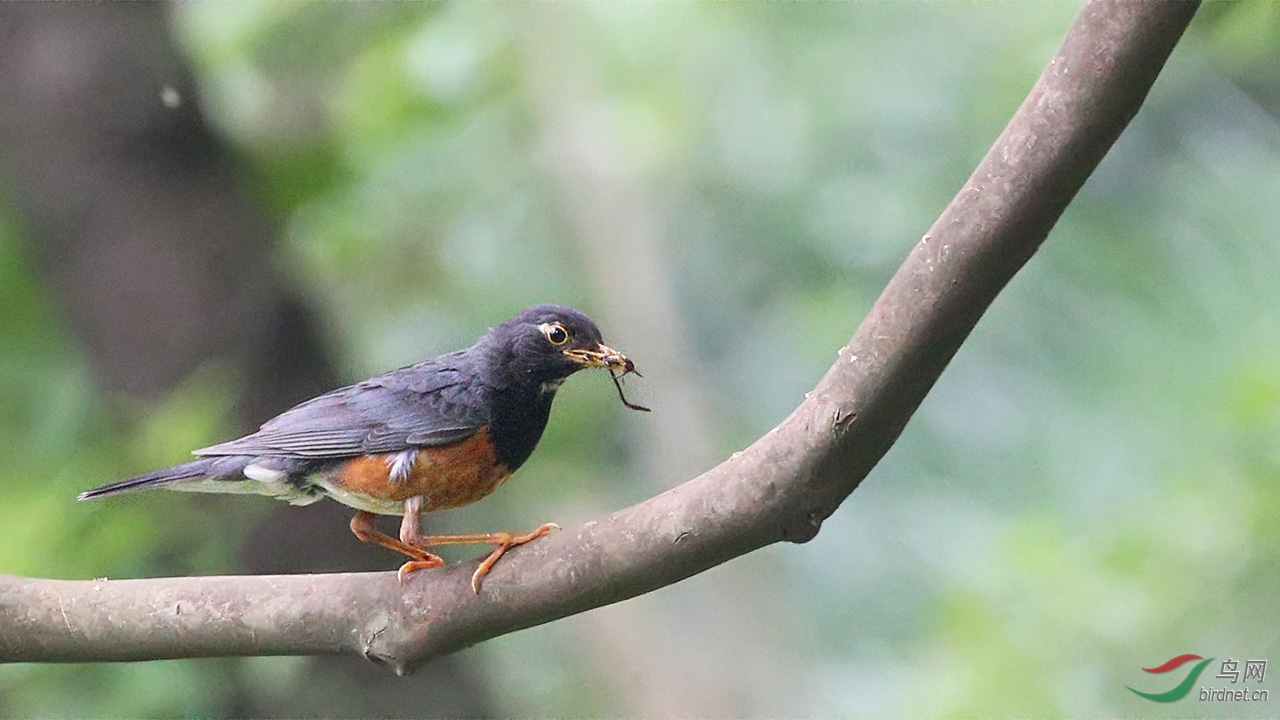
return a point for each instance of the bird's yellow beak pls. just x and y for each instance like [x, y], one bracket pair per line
[601, 356]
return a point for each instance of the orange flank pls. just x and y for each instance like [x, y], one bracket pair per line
[446, 477]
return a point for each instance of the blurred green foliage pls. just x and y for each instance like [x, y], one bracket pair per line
[1091, 488]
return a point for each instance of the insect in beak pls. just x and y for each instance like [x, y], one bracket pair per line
[630, 367]
[616, 363]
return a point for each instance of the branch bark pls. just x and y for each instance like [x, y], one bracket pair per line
[780, 488]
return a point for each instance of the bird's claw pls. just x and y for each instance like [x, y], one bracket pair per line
[505, 542]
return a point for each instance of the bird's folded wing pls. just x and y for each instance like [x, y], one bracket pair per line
[430, 404]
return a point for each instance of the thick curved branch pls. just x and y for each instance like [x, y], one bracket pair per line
[780, 488]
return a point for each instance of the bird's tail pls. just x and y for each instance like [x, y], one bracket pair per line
[198, 468]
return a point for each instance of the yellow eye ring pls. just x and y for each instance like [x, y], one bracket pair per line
[555, 333]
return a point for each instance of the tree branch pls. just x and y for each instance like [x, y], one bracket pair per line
[780, 488]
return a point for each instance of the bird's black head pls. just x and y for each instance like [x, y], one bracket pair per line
[546, 344]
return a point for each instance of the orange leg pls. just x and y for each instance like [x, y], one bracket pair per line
[411, 534]
[362, 525]
[413, 543]
[504, 540]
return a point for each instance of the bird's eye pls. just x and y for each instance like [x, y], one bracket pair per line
[555, 332]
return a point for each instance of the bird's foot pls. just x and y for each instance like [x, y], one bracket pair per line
[505, 541]
[427, 562]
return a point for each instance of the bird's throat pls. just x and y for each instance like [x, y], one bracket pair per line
[517, 424]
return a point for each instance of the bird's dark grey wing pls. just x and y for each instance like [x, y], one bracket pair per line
[432, 403]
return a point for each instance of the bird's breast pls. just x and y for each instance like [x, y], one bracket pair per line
[448, 476]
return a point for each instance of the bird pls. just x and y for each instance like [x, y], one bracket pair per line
[434, 435]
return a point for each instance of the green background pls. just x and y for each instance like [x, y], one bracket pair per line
[1090, 489]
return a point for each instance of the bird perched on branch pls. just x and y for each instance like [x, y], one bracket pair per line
[435, 435]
